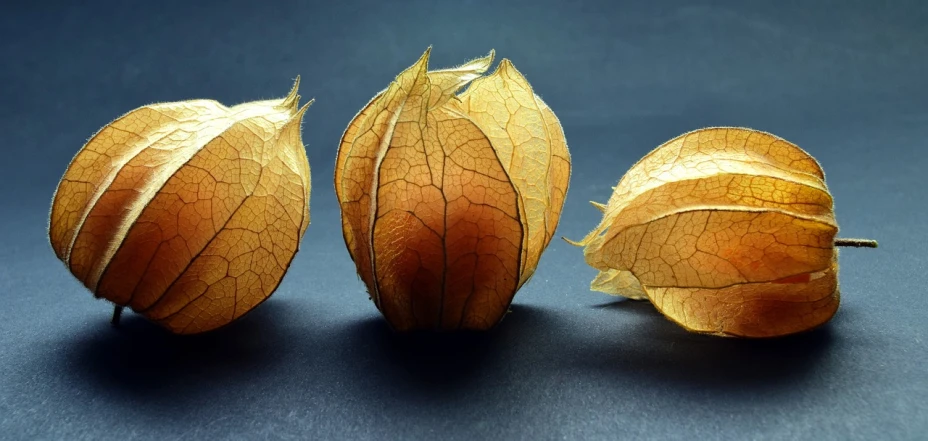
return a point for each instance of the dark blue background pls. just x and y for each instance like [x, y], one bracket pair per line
[846, 80]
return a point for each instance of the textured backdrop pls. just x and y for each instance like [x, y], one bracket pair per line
[843, 79]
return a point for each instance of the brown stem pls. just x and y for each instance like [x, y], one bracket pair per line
[857, 243]
[117, 313]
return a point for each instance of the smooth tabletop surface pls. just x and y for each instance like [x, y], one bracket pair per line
[845, 80]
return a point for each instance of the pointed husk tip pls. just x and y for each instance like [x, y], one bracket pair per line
[292, 99]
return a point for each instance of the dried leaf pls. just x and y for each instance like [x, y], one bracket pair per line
[727, 231]
[188, 212]
[449, 200]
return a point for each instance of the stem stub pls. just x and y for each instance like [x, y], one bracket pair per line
[856, 243]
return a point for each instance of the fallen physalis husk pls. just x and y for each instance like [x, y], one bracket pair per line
[727, 231]
[448, 200]
[187, 212]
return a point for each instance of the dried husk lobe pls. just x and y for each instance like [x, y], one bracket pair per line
[442, 217]
[187, 212]
[728, 231]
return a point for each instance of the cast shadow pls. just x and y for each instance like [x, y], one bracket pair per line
[443, 363]
[656, 349]
[139, 358]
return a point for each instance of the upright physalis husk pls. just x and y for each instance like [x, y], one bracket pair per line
[448, 200]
